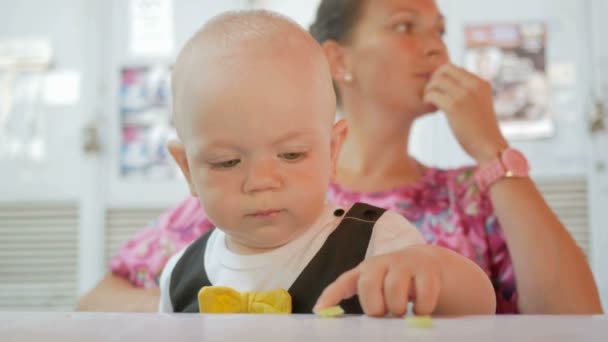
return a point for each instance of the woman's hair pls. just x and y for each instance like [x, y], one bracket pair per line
[336, 19]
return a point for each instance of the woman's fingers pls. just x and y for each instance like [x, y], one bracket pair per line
[446, 85]
[440, 99]
[458, 75]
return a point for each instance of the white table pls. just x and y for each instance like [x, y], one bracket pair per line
[51, 327]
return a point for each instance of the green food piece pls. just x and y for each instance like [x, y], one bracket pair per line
[332, 311]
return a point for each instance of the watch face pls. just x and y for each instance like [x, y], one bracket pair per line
[515, 162]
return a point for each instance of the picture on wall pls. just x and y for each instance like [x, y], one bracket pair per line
[145, 110]
[512, 57]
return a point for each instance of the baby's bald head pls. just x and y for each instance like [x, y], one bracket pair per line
[254, 108]
[250, 54]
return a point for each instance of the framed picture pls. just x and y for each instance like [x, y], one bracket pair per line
[511, 56]
[145, 111]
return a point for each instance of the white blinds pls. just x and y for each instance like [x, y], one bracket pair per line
[568, 199]
[38, 257]
[123, 223]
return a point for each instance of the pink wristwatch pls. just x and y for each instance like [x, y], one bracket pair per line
[510, 163]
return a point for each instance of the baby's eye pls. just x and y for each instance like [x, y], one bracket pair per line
[226, 164]
[292, 156]
[403, 27]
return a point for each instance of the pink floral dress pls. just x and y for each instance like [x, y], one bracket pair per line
[445, 205]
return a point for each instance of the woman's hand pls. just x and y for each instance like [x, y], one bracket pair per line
[115, 294]
[467, 102]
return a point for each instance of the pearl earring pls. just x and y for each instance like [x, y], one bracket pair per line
[348, 77]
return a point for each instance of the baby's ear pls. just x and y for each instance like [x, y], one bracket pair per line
[338, 135]
[178, 152]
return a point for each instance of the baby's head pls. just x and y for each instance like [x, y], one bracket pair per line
[254, 109]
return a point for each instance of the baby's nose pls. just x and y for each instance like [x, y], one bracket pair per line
[262, 176]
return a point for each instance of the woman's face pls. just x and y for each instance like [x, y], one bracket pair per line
[395, 47]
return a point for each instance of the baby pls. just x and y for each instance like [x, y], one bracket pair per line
[254, 110]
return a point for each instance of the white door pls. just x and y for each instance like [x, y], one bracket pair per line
[43, 194]
[58, 214]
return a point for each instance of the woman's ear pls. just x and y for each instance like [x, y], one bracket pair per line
[335, 54]
[338, 135]
[178, 152]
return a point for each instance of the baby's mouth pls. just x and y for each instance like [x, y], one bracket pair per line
[266, 213]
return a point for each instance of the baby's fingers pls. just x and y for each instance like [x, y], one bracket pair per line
[342, 288]
[427, 287]
[370, 290]
[396, 288]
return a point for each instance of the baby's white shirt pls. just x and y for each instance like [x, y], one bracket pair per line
[280, 267]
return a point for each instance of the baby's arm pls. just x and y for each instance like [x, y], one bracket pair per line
[464, 288]
[399, 267]
[438, 281]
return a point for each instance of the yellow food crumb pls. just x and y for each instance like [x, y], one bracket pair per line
[332, 311]
[421, 322]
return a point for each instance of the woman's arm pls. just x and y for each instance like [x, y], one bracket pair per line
[551, 272]
[131, 285]
[115, 294]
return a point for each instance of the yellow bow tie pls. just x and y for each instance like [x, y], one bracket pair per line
[219, 299]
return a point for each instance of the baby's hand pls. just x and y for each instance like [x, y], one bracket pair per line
[386, 283]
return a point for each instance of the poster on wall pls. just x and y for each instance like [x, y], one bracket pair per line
[511, 56]
[145, 109]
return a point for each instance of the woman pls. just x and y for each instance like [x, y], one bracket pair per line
[390, 67]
